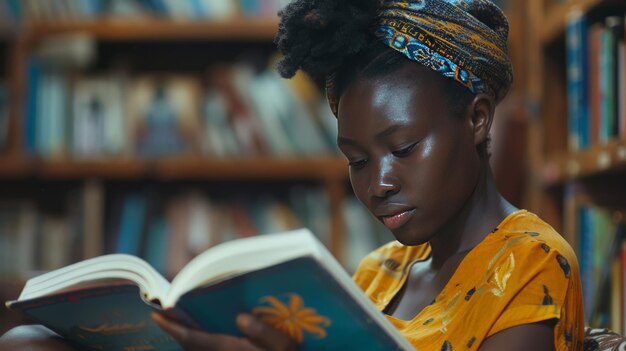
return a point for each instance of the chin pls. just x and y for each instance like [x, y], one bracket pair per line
[410, 238]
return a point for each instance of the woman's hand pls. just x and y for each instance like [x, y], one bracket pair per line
[259, 336]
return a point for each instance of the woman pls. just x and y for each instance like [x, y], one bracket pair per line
[414, 86]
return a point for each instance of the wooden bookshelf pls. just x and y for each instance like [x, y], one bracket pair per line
[329, 172]
[263, 29]
[320, 168]
[288, 168]
[14, 167]
[576, 192]
[556, 15]
[596, 161]
[60, 186]
[7, 33]
[552, 165]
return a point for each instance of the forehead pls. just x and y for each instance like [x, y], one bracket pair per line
[405, 96]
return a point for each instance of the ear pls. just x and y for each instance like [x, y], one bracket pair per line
[482, 110]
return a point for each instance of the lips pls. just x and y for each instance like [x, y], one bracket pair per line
[397, 219]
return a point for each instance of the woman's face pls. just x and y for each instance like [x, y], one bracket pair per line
[413, 163]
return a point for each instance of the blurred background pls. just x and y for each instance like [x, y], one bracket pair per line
[160, 128]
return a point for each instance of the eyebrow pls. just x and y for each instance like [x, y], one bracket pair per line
[390, 130]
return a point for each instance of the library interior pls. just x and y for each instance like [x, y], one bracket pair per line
[162, 128]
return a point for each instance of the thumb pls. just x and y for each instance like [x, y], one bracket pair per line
[263, 335]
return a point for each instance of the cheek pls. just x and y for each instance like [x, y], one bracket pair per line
[447, 171]
[460, 173]
[359, 186]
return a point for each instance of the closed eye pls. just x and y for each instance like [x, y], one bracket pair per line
[404, 151]
[358, 164]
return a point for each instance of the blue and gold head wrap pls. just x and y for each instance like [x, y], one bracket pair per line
[450, 37]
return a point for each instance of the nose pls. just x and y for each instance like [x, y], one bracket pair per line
[384, 183]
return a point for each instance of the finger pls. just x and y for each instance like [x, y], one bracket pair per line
[264, 335]
[197, 340]
[185, 336]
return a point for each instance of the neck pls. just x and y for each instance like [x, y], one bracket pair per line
[485, 209]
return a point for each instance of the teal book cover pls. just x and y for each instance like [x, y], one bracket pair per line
[113, 318]
[298, 297]
[287, 280]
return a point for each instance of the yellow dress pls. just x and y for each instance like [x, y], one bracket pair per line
[522, 272]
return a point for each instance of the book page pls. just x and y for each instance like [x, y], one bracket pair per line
[115, 266]
[239, 256]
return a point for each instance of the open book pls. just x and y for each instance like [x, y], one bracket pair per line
[288, 280]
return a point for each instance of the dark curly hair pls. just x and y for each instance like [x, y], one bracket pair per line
[334, 38]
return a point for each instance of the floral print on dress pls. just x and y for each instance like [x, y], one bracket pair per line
[522, 271]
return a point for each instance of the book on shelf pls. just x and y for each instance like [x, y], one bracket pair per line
[4, 115]
[611, 36]
[288, 280]
[98, 126]
[163, 110]
[576, 68]
[595, 38]
[8, 14]
[599, 234]
[596, 79]
[18, 223]
[606, 305]
[621, 80]
[236, 111]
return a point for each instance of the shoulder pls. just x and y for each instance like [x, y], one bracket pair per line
[529, 268]
[533, 271]
[534, 244]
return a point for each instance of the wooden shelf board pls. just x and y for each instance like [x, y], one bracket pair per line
[11, 166]
[110, 169]
[595, 160]
[8, 33]
[263, 168]
[556, 17]
[160, 29]
[302, 168]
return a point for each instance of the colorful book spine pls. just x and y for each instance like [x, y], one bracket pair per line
[615, 26]
[576, 65]
[32, 85]
[607, 87]
[621, 74]
[585, 252]
[132, 222]
[595, 35]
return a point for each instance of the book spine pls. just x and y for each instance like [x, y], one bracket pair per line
[615, 26]
[595, 34]
[621, 74]
[585, 250]
[576, 74]
[132, 221]
[32, 101]
[623, 287]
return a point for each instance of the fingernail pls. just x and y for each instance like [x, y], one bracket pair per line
[244, 320]
[248, 323]
[156, 317]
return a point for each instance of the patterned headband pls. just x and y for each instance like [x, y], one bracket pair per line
[448, 37]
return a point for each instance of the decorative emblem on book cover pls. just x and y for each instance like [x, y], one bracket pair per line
[292, 318]
[109, 329]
